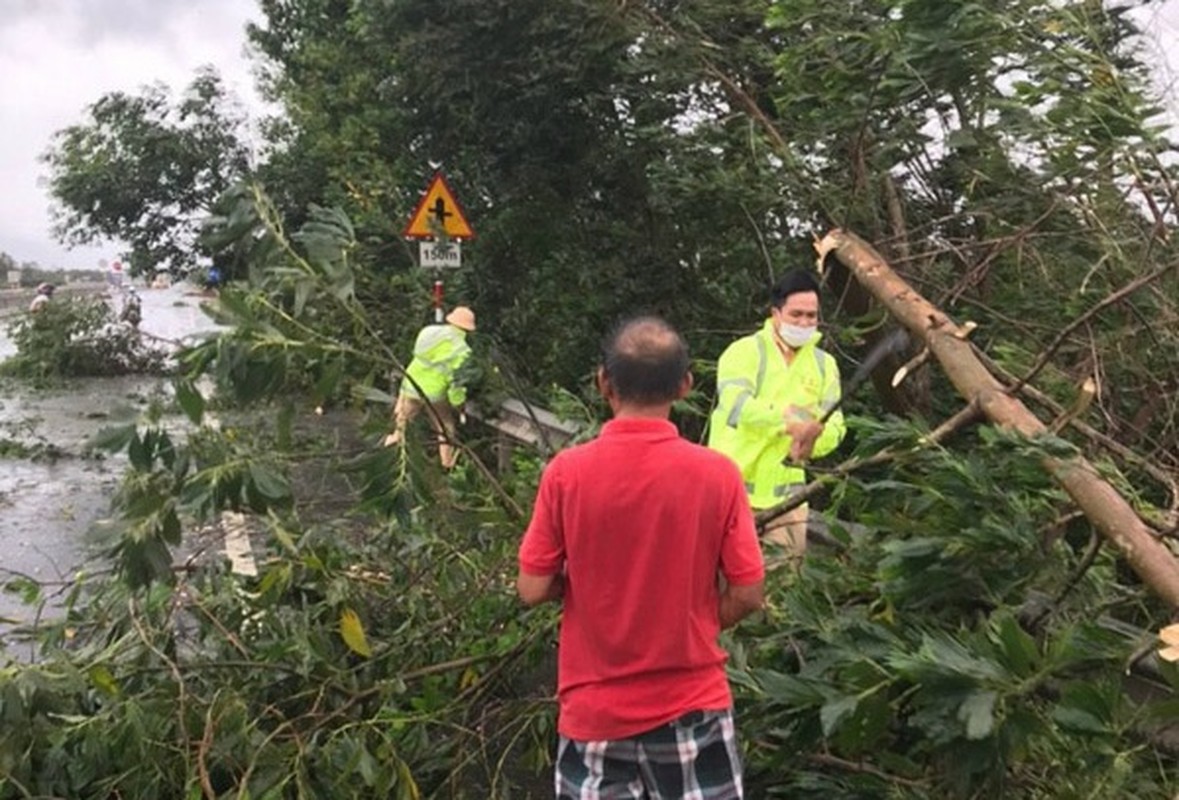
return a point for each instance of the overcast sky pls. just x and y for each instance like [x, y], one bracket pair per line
[58, 56]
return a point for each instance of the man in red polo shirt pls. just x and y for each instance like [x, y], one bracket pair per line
[630, 533]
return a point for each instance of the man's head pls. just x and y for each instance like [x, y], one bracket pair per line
[644, 364]
[46, 289]
[794, 306]
[462, 317]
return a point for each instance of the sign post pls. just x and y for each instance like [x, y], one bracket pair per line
[439, 225]
[438, 315]
[115, 276]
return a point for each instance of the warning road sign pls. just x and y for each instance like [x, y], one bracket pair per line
[437, 213]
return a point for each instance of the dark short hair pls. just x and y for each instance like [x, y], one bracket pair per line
[793, 282]
[645, 360]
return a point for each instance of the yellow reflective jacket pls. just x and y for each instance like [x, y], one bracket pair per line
[754, 388]
[438, 352]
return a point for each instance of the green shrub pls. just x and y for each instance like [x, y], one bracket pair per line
[77, 337]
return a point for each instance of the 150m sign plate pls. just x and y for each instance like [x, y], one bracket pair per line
[437, 254]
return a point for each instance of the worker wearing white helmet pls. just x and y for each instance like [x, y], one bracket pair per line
[439, 351]
[41, 299]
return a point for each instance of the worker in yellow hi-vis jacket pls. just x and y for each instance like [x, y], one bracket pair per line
[439, 352]
[773, 389]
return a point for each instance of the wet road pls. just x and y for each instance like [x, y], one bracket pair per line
[50, 509]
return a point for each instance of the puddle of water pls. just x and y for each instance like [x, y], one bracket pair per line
[48, 508]
[48, 512]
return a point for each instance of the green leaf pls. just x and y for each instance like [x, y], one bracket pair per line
[28, 590]
[407, 787]
[139, 454]
[275, 579]
[1020, 654]
[373, 395]
[112, 439]
[103, 680]
[787, 690]
[961, 138]
[978, 712]
[1078, 720]
[303, 290]
[283, 536]
[329, 379]
[352, 632]
[190, 401]
[367, 766]
[835, 711]
[269, 482]
[170, 527]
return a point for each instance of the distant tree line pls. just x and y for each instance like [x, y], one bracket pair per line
[33, 274]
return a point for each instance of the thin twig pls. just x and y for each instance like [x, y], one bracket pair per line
[761, 243]
[1128, 289]
[828, 760]
[174, 669]
[1164, 477]
[963, 417]
[1096, 540]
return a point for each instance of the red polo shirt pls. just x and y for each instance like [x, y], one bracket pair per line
[641, 521]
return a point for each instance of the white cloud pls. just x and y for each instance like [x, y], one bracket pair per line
[85, 22]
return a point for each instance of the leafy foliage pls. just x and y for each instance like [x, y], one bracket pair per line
[967, 636]
[948, 648]
[77, 337]
[143, 171]
[591, 194]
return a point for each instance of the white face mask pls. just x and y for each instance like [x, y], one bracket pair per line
[796, 335]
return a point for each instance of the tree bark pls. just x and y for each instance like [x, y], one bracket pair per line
[1106, 509]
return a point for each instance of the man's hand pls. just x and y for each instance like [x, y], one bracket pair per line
[738, 602]
[536, 589]
[804, 436]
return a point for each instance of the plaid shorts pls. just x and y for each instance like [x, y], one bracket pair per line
[692, 758]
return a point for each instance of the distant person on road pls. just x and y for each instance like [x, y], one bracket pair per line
[649, 544]
[432, 377]
[42, 297]
[213, 280]
[773, 387]
[132, 312]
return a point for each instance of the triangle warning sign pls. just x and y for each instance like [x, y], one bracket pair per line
[438, 212]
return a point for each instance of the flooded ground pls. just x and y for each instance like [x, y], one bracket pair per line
[51, 500]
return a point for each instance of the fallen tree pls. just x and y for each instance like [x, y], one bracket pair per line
[948, 342]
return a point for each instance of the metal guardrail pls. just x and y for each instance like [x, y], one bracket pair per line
[523, 423]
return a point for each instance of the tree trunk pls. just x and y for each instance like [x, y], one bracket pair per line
[1100, 502]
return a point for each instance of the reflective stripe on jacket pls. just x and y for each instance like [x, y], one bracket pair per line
[438, 353]
[754, 387]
